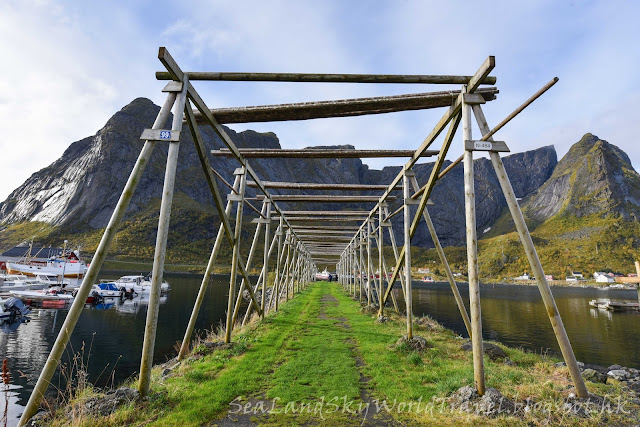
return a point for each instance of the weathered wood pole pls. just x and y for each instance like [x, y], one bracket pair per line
[534, 262]
[94, 268]
[396, 255]
[287, 264]
[361, 265]
[184, 348]
[386, 274]
[381, 268]
[445, 263]
[472, 253]
[161, 246]
[252, 250]
[235, 257]
[407, 251]
[369, 266]
[276, 284]
[267, 252]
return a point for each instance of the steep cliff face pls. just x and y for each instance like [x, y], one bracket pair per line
[594, 177]
[80, 190]
[527, 171]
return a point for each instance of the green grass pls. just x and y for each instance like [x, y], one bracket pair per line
[315, 350]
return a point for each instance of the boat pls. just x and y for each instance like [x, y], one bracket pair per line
[324, 275]
[525, 276]
[12, 308]
[108, 289]
[427, 279]
[67, 265]
[140, 284]
[12, 282]
[51, 294]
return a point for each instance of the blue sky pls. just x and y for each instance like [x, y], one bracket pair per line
[69, 65]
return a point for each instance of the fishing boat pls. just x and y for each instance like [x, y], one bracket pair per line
[140, 284]
[68, 264]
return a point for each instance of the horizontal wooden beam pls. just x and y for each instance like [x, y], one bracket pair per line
[326, 78]
[318, 186]
[317, 220]
[322, 198]
[302, 228]
[316, 153]
[324, 213]
[340, 108]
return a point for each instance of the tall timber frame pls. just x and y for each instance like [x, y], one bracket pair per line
[298, 246]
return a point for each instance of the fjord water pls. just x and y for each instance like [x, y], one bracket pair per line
[112, 333]
[515, 315]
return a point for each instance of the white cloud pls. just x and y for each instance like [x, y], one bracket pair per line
[70, 65]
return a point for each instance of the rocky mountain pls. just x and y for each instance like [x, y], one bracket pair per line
[594, 177]
[78, 192]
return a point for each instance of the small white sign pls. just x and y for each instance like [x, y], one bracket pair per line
[482, 145]
[165, 134]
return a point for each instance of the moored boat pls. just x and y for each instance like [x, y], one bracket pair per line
[139, 284]
[107, 290]
[68, 264]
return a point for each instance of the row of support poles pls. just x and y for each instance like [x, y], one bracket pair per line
[295, 265]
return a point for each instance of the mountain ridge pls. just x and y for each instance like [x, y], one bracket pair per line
[77, 193]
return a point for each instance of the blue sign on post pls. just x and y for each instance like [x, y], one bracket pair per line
[165, 134]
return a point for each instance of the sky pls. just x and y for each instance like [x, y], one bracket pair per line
[70, 65]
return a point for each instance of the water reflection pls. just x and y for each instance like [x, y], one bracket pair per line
[515, 315]
[112, 330]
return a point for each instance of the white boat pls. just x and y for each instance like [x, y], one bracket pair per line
[12, 282]
[324, 275]
[67, 266]
[107, 290]
[52, 294]
[525, 276]
[427, 279]
[139, 284]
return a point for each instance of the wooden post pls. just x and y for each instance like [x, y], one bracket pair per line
[534, 262]
[254, 244]
[386, 275]
[184, 348]
[407, 251]
[236, 252]
[279, 233]
[369, 266]
[161, 246]
[265, 266]
[472, 254]
[394, 246]
[380, 258]
[443, 259]
[361, 264]
[94, 268]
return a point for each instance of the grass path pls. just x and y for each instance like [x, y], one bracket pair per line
[321, 361]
